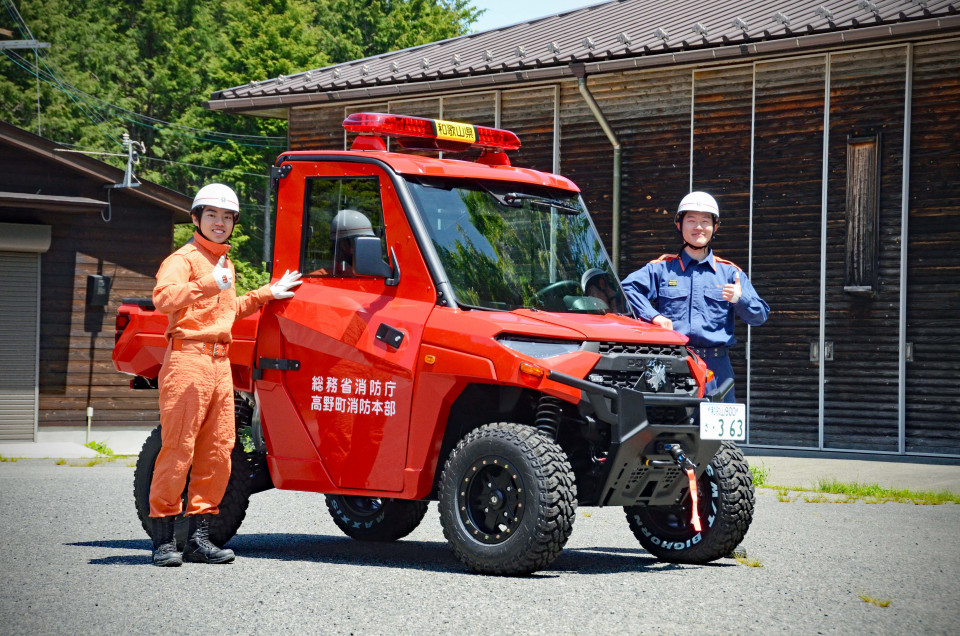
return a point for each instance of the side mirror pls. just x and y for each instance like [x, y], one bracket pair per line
[368, 260]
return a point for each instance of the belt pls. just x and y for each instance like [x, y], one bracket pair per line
[214, 349]
[710, 352]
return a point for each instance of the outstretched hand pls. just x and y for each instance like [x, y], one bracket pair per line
[733, 291]
[281, 288]
[222, 273]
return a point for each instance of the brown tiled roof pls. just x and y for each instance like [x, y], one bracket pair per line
[604, 36]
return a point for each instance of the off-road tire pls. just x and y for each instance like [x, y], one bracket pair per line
[726, 509]
[233, 506]
[374, 519]
[516, 470]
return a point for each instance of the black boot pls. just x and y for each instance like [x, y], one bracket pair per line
[165, 552]
[199, 549]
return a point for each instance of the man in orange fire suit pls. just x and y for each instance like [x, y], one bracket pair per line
[195, 288]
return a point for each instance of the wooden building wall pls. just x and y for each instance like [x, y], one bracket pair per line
[933, 269]
[76, 341]
[861, 382]
[788, 167]
[755, 139]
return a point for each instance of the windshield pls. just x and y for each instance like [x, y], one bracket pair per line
[508, 246]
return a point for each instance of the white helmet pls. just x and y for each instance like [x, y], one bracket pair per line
[588, 276]
[349, 223]
[218, 196]
[699, 202]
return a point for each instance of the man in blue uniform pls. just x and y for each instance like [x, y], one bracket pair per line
[695, 292]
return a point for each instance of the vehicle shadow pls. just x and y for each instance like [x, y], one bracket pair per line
[434, 556]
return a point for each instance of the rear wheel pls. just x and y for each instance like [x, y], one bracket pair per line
[233, 506]
[375, 519]
[507, 500]
[726, 509]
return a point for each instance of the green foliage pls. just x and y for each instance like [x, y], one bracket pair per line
[111, 65]
[100, 447]
[760, 474]
[354, 30]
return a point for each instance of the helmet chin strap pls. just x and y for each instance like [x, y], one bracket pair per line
[200, 232]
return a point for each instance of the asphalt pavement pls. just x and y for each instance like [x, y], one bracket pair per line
[74, 559]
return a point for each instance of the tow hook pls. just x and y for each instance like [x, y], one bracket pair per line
[676, 451]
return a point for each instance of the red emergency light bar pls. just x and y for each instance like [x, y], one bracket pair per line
[427, 134]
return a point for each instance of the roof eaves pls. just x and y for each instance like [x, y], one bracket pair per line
[163, 197]
[653, 51]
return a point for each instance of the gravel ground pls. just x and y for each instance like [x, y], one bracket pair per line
[74, 559]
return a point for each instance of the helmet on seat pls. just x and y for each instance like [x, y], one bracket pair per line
[588, 276]
[348, 224]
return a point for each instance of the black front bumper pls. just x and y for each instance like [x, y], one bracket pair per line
[638, 469]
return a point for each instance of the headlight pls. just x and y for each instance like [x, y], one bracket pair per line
[540, 348]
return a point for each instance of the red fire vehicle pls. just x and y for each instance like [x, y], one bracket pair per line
[449, 344]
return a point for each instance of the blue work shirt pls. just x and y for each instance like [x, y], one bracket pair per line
[690, 293]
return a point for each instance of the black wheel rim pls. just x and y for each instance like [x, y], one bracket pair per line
[362, 506]
[674, 522]
[490, 500]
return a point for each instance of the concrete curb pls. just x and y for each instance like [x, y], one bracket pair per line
[45, 450]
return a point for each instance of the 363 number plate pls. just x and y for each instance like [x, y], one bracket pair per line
[720, 420]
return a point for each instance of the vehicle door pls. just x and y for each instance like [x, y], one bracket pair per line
[353, 390]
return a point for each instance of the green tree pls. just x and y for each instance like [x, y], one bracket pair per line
[146, 67]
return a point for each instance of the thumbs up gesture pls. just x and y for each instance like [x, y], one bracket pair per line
[222, 273]
[733, 291]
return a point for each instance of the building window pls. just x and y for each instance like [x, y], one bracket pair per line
[863, 215]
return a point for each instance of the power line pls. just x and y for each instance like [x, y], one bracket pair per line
[73, 93]
[194, 165]
[69, 88]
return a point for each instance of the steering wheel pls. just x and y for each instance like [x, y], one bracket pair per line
[560, 289]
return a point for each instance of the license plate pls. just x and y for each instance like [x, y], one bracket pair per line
[455, 131]
[720, 420]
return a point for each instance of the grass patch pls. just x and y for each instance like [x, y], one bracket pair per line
[7, 459]
[60, 462]
[851, 492]
[747, 561]
[875, 601]
[760, 474]
[100, 447]
[878, 493]
[92, 462]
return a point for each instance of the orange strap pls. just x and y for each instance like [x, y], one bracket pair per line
[694, 500]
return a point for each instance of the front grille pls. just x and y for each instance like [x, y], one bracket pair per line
[623, 364]
[640, 349]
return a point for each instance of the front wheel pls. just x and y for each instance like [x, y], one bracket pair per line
[233, 506]
[507, 500]
[375, 519]
[726, 509]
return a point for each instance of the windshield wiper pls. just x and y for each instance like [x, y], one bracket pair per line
[515, 200]
[479, 308]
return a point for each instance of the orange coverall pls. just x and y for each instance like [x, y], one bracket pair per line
[196, 388]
